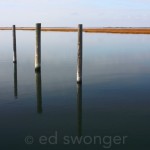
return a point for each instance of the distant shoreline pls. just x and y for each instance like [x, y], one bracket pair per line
[121, 30]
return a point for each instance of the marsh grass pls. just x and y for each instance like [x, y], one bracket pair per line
[90, 30]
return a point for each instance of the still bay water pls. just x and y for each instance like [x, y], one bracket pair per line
[113, 100]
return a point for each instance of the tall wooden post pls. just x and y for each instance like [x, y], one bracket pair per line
[38, 48]
[14, 44]
[79, 55]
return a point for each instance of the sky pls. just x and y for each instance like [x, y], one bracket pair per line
[70, 13]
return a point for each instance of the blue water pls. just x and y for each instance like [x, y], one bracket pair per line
[113, 99]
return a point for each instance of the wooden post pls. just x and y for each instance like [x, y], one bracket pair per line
[14, 44]
[79, 55]
[38, 48]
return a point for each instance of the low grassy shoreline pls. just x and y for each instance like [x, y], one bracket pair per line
[89, 30]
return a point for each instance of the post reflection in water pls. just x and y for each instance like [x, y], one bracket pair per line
[38, 91]
[15, 81]
[79, 106]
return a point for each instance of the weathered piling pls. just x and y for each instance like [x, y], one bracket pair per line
[38, 48]
[38, 91]
[79, 106]
[79, 55]
[15, 81]
[14, 44]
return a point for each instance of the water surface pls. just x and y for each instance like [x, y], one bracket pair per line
[112, 101]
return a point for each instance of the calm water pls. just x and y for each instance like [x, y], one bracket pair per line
[114, 99]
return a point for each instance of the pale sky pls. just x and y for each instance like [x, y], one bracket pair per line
[70, 13]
